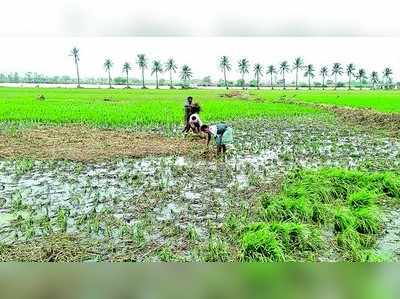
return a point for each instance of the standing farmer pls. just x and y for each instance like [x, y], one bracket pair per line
[222, 133]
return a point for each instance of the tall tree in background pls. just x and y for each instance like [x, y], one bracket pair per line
[186, 75]
[350, 72]
[75, 54]
[108, 64]
[284, 68]
[142, 63]
[387, 72]
[225, 66]
[361, 75]
[271, 71]
[323, 72]
[258, 72]
[170, 66]
[298, 65]
[310, 74]
[156, 68]
[374, 79]
[244, 66]
[126, 68]
[337, 70]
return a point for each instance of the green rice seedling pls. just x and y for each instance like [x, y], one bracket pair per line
[261, 245]
[17, 203]
[192, 233]
[23, 166]
[62, 219]
[362, 198]
[368, 220]
[216, 250]
[343, 219]
[165, 254]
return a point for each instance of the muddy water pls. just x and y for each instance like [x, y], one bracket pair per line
[169, 194]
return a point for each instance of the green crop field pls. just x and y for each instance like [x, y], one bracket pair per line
[142, 107]
[130, 107]
[380, 100]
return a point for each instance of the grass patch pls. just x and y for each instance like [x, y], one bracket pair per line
[345, 202]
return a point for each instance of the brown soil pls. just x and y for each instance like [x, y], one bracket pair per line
[367, 118]
[89, 144]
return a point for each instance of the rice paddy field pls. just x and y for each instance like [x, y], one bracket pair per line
[106, 175]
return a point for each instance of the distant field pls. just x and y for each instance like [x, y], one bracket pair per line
[380, 100]
[121, 107]
[130, 107]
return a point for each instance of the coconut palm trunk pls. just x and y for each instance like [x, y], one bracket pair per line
[127, 79]
[143, 77]
[323, 82]
[242, 81]
[170, 79]
[309, 82]
[258, 82]
[156, 80]
[335, 81]
[349, 81]
[297, 78]
[226, 83]
[284, 81]
[77, 74]
[272, 82]
[109, 78]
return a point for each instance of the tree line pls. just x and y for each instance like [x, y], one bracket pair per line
[310, 72]
[275, 75]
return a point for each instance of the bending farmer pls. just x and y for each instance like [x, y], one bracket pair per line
[222, 133]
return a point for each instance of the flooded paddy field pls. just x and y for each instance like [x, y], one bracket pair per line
[191, 207]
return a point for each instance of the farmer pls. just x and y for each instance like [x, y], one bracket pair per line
[222, 133]
[193, 121]
[187, 108]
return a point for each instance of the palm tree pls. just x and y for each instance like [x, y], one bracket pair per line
[225, 66]
[337, 70]
[258, 72]
[298, 65]
[171, 66]
[350, 71]
[75, 54]
[374, 79]
[126, 68]
[324, 73]
[361, 75]
[386, 75]
[186, 75]
[310, 74]
[142, 63]
[243, 68]
[157, 68]
[108, 64]
[284, 67]
[271, 71]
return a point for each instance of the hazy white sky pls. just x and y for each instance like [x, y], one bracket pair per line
[200, 18]
[37, 35]
[50, 55]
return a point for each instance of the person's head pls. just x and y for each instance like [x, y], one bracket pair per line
[193, 117]
[190, 99]
[205, 128]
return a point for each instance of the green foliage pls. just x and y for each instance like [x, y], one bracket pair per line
[131, 107]
[345, 201]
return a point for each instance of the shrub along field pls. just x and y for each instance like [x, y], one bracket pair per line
[88, 175]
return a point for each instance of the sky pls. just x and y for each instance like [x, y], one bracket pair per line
[50, 55]
[38, 35]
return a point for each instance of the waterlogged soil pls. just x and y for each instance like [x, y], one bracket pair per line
[173, 207]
